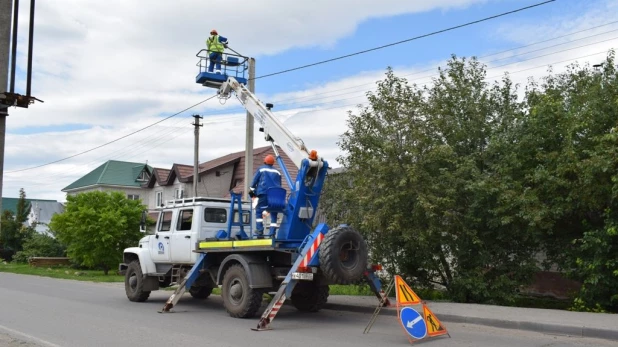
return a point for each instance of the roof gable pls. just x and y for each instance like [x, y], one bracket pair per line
[10, 204]
[112, 172]
[159, 176]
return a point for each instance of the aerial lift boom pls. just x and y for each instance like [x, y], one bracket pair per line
[296, 235]
[273, 128]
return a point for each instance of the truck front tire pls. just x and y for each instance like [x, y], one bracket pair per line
[239, 299]
[134, 283]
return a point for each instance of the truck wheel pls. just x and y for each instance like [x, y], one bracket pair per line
[200, 292]
[309, 297]
[343, 255]
[239, 300]
[134, 283]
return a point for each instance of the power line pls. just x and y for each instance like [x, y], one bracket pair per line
[415, 79]
[110, 142]
[406, 40]
[480, 57]
[419, 78]
[305, 100]
[302, 67]
[357, 104]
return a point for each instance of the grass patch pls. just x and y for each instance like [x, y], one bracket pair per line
[63, 272]
[542, 302]
[358, 290]
[352, 289]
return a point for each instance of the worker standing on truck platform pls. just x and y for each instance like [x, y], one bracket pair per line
[265, 177]
[216, 45]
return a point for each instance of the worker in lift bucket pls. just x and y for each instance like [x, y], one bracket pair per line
[265, 177]
[215, 44]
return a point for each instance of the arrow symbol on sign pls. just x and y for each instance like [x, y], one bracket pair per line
[412, 322]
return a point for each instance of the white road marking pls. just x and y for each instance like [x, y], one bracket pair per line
[29, 337]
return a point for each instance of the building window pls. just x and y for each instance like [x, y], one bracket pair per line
[133, 196]
[215, 215]
[143, 176]
[246, 217]
[179, 194]
[159, 199]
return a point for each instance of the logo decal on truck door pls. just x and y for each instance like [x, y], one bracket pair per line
[161, 248]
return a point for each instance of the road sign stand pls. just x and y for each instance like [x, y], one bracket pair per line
[417, 324]
[434, 326]
[383, 300]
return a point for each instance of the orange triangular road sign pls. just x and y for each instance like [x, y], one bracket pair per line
[434, 326]
[405, 294]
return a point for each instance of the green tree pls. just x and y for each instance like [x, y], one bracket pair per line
[420, 181]
[567, 158]
[97, 226]
[463, 185]
[13, 231]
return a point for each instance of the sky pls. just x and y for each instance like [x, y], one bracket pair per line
[107, 69]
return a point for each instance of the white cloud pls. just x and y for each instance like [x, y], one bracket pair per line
[127, 64]
[109, 59]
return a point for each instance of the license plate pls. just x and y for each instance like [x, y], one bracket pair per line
[303, 276]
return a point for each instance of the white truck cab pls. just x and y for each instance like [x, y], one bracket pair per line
[164, 255]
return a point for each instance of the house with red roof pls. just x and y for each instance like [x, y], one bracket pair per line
[154, 186]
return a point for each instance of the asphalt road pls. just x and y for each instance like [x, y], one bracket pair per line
[47, 312]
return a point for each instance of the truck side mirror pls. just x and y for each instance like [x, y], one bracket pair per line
[142, 223]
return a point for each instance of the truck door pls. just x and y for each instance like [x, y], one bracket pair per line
[182, 237]
[160, 245]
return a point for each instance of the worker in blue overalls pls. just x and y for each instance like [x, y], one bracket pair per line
[216, 45]
[265, 177]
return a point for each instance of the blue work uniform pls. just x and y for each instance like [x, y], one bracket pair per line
[265, 177]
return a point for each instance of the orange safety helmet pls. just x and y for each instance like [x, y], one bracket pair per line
[214, 32]
[269, 159]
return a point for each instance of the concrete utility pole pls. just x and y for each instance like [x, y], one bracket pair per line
[196, 161]
[5, 42]
[249, 138]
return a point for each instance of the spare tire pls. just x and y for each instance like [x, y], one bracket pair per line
[343, 255]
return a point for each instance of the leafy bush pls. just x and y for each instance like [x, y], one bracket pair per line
[39, 245]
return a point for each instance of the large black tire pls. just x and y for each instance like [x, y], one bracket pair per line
[200, 292]
[239, 300]
[134, 283]
[309, 297]
[343, 255]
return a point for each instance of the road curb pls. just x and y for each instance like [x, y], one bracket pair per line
[547, 328]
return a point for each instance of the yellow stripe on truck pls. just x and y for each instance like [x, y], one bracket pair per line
[233, 244]
[217, 244]
[253, 243]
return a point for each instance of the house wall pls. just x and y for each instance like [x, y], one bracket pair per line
[167, 192]
[215, 183]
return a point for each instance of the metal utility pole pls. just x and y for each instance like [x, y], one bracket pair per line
[249, 138]
[8, 97]
[196, 147]
[5, 42]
